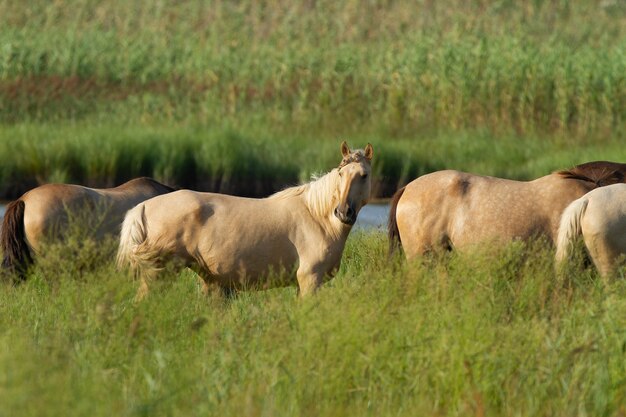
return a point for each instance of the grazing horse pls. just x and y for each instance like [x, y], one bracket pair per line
[453, 209]
[44, 212]
[600, 217]
[238, 243]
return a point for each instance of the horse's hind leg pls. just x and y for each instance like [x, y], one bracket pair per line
[602, 253]
[210, 286]
[215, 288]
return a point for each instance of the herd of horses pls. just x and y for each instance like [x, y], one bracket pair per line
[238, 243]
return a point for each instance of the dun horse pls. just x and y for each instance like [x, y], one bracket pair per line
[43, 213]
[238, 243]
[600, 217]
[453, 209]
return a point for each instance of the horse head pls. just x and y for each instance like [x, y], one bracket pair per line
[355, 182]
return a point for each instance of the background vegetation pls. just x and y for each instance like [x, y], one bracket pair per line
[248, 96]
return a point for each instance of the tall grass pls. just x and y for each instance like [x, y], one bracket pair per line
[482, 333]
[534, 67]
[258, 160]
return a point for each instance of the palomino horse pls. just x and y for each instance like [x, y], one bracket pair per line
[600, 216]
[44, 211]
[238, 243]
[452, 209]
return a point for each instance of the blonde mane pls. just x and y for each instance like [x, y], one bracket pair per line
[319, 194]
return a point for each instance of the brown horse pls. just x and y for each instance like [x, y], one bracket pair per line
[238, 243]
[600, 217]
[453, 209]
[43, 213]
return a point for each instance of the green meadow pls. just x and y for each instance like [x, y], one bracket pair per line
[485, 333]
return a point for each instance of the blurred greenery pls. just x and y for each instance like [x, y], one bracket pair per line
[302, 76]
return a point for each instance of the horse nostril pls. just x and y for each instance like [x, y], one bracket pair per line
[336, 212]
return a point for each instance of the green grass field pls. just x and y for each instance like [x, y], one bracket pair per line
[484, 333]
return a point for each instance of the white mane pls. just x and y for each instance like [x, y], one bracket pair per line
[319, 195]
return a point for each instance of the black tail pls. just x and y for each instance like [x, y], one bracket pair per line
[392, 224]
[17, 255]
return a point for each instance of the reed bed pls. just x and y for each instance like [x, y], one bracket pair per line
[247, 97]
[255, 161]
[544, 66]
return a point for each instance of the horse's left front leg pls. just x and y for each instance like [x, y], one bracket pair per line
[309, 280]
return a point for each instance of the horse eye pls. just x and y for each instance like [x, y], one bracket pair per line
[363, 176]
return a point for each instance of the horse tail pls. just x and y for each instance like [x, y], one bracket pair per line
[17, 256]
[570, 228]
[392, 224]
[133, 235]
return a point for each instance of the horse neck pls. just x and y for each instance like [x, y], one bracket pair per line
[321, 194]
[321, 197]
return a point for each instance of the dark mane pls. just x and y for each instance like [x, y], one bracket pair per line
[600, 173]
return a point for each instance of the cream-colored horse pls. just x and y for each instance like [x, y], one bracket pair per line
[453, 209]
[600, 217]
[239, 243]
[43, 213]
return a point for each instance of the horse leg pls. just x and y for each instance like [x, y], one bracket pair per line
[602, 253]
[308, 281]
[211, 286]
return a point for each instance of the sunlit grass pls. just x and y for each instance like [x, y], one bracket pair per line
[483, 332]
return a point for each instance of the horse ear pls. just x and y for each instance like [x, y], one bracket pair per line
[369, 152]
[345, 149]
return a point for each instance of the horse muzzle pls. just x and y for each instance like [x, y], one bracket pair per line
[347, 216]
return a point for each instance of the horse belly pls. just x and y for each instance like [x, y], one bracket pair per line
[258, 263]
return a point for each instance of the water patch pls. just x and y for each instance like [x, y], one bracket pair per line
[371, 216]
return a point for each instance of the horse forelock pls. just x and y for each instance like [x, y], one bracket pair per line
[357, 155]
[600, 173]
